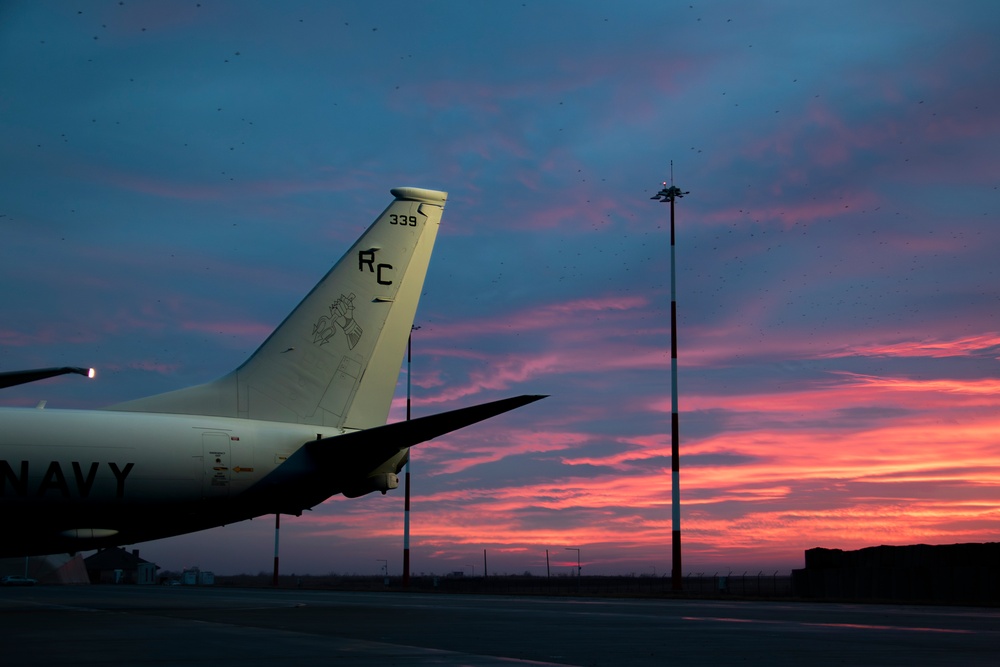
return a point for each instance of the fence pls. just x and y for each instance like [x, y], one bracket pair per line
[750, 585]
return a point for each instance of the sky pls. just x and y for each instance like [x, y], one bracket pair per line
[177, 176]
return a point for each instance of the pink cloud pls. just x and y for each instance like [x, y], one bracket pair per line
[791, 212]
[154, 367]
[15, 338]
[457, 454]
[747, 511]
[956, 347]
[254, 331]
[578, 335]
[988, 387]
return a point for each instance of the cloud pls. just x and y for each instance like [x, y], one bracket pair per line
[985, 343]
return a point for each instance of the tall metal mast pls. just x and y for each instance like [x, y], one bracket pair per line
[669, 194]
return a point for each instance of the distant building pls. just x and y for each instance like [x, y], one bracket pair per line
[52, 569]
[119, 566]
[196, 577]
[941, 574]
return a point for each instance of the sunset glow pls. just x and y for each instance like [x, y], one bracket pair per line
[167, 202]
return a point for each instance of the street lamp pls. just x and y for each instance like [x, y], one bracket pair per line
[669, 194]
[406, 476]
[579, 568]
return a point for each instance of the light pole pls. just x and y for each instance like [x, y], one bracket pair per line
[579, 568]
[406, 476]
[277, 527]
[669, 194]
[14, 378]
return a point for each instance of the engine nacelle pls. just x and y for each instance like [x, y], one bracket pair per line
[383, 481]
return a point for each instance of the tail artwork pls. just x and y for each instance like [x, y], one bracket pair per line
[335, 359]
[301, 420]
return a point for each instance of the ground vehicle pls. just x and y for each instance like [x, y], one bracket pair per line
[12, 580]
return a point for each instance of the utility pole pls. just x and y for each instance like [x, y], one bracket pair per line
[406, 476]
[669, 194]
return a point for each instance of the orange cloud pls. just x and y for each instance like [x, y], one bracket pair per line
[752, 496]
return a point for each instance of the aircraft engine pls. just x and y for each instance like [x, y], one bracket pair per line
[383, 482]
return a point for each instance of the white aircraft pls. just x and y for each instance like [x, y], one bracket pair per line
[301, 420]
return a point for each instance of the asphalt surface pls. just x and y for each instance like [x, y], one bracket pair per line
[133, 625]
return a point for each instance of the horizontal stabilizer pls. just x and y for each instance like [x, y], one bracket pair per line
[364, 450]
[339, 464]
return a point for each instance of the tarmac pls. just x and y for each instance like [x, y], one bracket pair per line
[221, 627]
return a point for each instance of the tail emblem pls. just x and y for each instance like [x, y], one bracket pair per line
[341, 315]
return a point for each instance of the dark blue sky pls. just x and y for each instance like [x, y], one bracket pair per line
[176, 176]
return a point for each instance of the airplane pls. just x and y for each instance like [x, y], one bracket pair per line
[301, 420]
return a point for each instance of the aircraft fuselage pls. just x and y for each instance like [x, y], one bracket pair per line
[90, 476]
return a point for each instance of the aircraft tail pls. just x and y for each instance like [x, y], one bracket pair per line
[335, 359]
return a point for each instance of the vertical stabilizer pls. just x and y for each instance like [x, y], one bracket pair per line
[335, 359]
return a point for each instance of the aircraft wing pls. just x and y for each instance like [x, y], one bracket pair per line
[13, 378]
